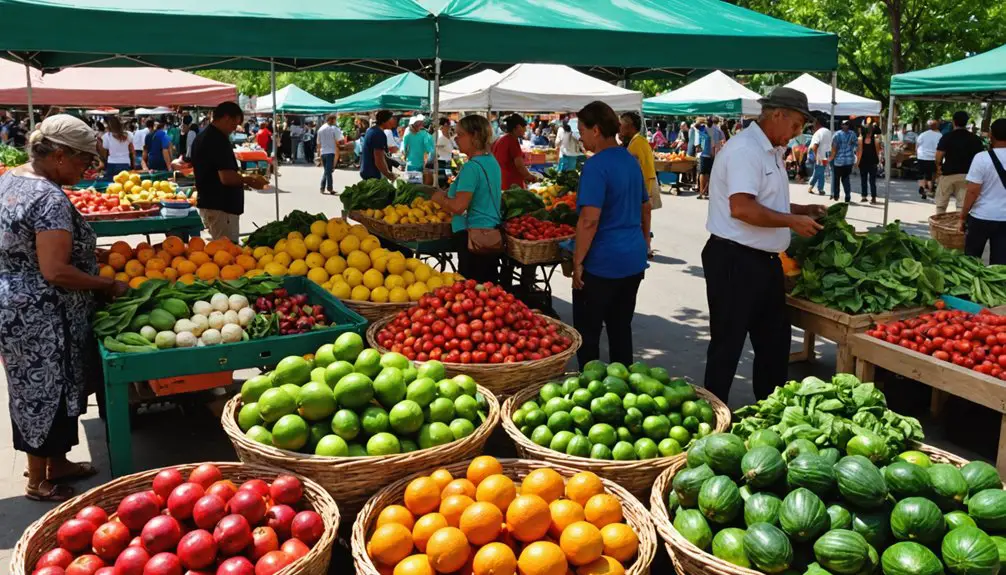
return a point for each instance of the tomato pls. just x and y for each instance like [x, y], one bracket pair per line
[940, 304]
[941, 355]
[963, 346]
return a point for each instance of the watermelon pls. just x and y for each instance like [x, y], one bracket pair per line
[839, 517]
[803, 515]
[766, 438]
[830, 454]
[916, 457]
[842, 551]
[763, 467]
[720, 499]
[768, 548]
[697, 453]
[906, 479]
[860, 482]
[692, 526]
[688, 482]
[728, 545]
[949, 486]
[811, 472]
[910, 558]
[917, 519]
[988, 509]
[724, 452]
[762, 508]
[869, 446]
[969, 551]
[874, 526]
[1001, 546]
[815, 569]
[799, 447]
[872, 561]
[981, 476]
[956, 519]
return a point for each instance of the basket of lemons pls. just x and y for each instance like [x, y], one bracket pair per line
[422, 220]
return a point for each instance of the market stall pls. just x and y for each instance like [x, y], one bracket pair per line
[713, 94]
[820, 98]
[406, 91]
[291, 99]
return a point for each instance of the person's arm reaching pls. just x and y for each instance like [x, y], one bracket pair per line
[454, 206]
[132, 156]
[974, 190]
[518, 162]
[939, 163]
[586, 228]
[859, 151]
[746, 208]
[53, 250]
[381, 161]
[646, 223]
[233, 178]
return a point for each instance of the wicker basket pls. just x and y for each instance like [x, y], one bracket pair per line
[40, 536]
[636, 476]
[404, 232]
[635, 513]
[373, 312]
[946, 229]
[504, 379]
[531, 252]
[351, 480]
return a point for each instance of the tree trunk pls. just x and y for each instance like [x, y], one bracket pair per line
[894, 10]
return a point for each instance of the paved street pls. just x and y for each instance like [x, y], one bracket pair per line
[670, 329]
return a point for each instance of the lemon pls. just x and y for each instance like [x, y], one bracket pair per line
[353, 277]
[335, 265]
[358, 260]
[370, 244]
[318, 275]
[261, 251]
[409, 278]
[296, 248]
[341, 290]
[275, 269]
[146, 184]
[395, 265]
[319, 228]
[373, 279]
[423, 272]
[262, 261]
[360, 293]
[398, 295]
[349, 244]
[417, 290]
[391, 219]
[134, 178]
[329, 248]
[315, 260]
[298, 268]
[379, 262]
[295, 236]
[327, 286]
[280, 246]
[313, 242]
[412, 263]
[336, 229]
[379, 294]
[359, 231]
[434, 283]
[282, 258]
[128, 186]
[394, 281]
[378, 253]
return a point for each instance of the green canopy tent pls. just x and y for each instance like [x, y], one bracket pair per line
[406, 91]
[293, 100]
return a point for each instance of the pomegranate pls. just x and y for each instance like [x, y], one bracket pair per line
[208, 511]
[223, 489]
[85, 565]
[286, 489]
[236, 566]
[294, 548]
[58, 557]
[279, 517]
[75, 535]
[110, 540]
[135, 510]
[94, 514]
[136, 542]
[183, 498]
[256, 485]
[166, 481]
[107, 571]
[264, 540]
[232, 534]
[272, 562]
[49, 570]
[248, 503]
[161, 534]
[197, 572]
[205, 475]
[308, 527]
[197, 550]
[163, 564]
[132, 560]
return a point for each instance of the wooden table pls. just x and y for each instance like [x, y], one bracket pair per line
[837, 326]
[680, 167]
[943, 376]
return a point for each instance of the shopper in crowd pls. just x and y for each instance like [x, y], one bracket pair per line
[475, 201]
[157, 147]
[868, 159]
[570, 149]
[296, 136]
[711, 139]
[983, 217]
[843, 151]
[910, 136]
[820, 154]
[539, 140]
[329, 136]
[264, 137]
[953, 160]
[174, 134]
[374, 161]
[49, 285]
[659, 140]
[285, 143]
[308, 140]
[445, 150]
[750, 218]
[116, 149]
[139, 141]
[190, 134]
[695, 135]
[391, 133]
[628, 129]
[509, 154]
[925, 157]
[417, 145]
[680, 142]
[221, 187]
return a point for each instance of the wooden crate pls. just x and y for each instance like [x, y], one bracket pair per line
[188, 383]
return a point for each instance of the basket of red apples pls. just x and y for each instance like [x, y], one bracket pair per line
[532, 241]
[207, 519]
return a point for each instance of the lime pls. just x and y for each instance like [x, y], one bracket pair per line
[375, 420]
[549, 391]
[675, 418]
[434, 434]
[560, 421]
[616, 369]
[383, 444]
[389, 386]
[368, 363]
[448, 388]
[409, 375]
[423, 390]
[249, 416]
[432, 369]
[582, 418]
[624, 434]
[704, 429]
[408, 446]
[689, 409]
[634, 380]
[651, 387]
[517, 417]
[529, 405]
[676, 396]
[634, 420]
[290, 432]
[526, 430]
[393, 359]
[596, 388]
[354, 391]
[406, 417]
[482, 402]
[578, 446]
[691, 423]
[594, 365]
[570, 385]
[668, 447]
[275, 403]
[467, 383]
[348, 346]
[661, 405]
[441, 409]
[679, 434]
[660, 374]
[706, 414]
[357, 450]
[616, 386]
[561, 440]
[603, 410]
[581, 398]
[332, 446]
[293, 390]
[623, 451]
[324, 356]
[646, 404]
[318, 374]
[603, 433]
[316, 401]
[253, 389]
[542, 435]
[557, 404]
[535, 417]
[466, 407]
[336, 371]
[639, 367]
[645, 448]
[629, 400]
[656, 427]
[317, 431]
[346, 424]
[461, 428]
[292, 369]
[599, 451]
[259, 434]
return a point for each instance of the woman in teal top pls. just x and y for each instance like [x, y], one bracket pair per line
[475, 198]
[417, 145]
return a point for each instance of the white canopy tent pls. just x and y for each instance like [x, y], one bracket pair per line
[714, 93]
[158, 111]
[819, 96]
[469, 84]
[542, 88]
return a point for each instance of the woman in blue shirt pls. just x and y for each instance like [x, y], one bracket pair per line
[610, 254]
[475, 198]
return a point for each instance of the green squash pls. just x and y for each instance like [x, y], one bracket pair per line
[910, 558]
[949, 486]
[798, 447]
[724, 452]
[1001, 546]
[860, 482]
[688, 482]
[803, 515]
[766, 438]
[763, 467]
[728, 545]
[981, 476]
[762, 508]
[916, 457]
[869, 446]
[745, 492]
[839, 517]
[720, 499]
[956, 519]
[872, 561]
[816, 569]
[988, 509]
[692, 526]
[830, 454]
[842, 551]
[874, 526]
[697, 453]
[906, 479]
[672, 501]
[768, 548]
[917, 519]
[811, 472]
[969, 551]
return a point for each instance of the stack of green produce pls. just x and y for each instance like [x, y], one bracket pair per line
[879, 272]
[353, 402]
[295, 221]
[406, 193]
[818, 513]
[518, 202]
[11, 157]
[614, 412]
[368, 194]
[569, 179]
[843, 413]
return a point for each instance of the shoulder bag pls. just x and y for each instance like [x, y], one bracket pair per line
[484, 241]
[998, 166]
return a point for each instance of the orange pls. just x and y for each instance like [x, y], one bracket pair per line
[603, 509]
[134, 268]
[144, 255]
[231, 272]
[234, 249]
[116, 260]
[396, 514]
[542, 558]
[164, 256]
[582, 543]
[246, 262]
[137, 281]
[142, 246]
[425, 527]
[481, 467]
[122, 248]
[186, 267]
[422, 496]
[448, 549]
[186, 278]
[195, 245]
[156, 264]
[583, 486]
[122, 277]
[453, 506]
[214, 246]
[208, 271]
[390, 544]
[199, 258]
[545, 483]
[174, 245]
[481, 523]
[443, 478]
[459, 487]
[414, 565]
[154, 275]
[620, 541]
[496, 489]
[222, 258]
[170, 274]
[494, 559]
[603, 565]
[177, 261]
[564, 513]
[528, 518]
[106, 271]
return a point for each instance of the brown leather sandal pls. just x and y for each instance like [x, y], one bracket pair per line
[55, 493]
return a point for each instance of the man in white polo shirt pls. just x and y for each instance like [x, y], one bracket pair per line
[750, 218]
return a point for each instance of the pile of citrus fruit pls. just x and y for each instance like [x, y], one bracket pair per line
[421, 211]
[350, 263]
[486, 524]
[175, 260]
[131, 188]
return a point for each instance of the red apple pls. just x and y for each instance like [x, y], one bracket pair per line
[308, 527]
[248, 503]
[183, 498]
[197, 550]
[135, 510]
[272, 562]
[85, 565]
[286, 489]
[132, 560]
[161, 534]
[264, 540]
[208, 511]
[163, 564]
[232, 534]
[136, 542]
[205, 475]
[110, 540]
[49, 570]
[94, 514]
[256, 485]
[75, 535]
[58, 557]
[224, 489]
[236, 566]
[294, 548]
[107, 571]
[279, 517]
[166, 481]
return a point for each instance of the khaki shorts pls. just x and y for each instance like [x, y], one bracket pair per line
[653, 189]
[221, 224]
[953, 185]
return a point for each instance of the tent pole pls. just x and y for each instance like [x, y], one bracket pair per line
[31, 108]
[275, 135]
[887, 156]
[834, 89]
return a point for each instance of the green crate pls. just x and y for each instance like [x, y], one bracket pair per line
[190, 225]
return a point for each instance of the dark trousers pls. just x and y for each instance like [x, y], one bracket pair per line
[327, 165]
[605, 303]
[479, 267]
[747, 297]
[868, 179]
[980, 232]
[843, 174]
[309, 151]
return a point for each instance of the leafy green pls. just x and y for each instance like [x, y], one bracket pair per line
[295, 221]
[11, 156]
[569, 179]
[368, 194]
[518, 202]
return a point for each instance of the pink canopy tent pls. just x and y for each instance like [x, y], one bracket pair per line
[90, 87]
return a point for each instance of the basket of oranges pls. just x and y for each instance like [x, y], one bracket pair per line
[176, 260]
[492, 517]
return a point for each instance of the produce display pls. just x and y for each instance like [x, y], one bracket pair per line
[528, 227]
[469, 322]
[174, 260]
[90, 201]
[11, 157]
[882, 271]
[290, 312]
[348, 401]
[518, 202]
[844, 413]
[568, 180]
[776, 508]
[420, 211]
[295, 221]
[673, 157]
[975, 341]
[200, 524]
[618, 413]
[377, 194]
[131, 188]
[549, 192]
[487, 524]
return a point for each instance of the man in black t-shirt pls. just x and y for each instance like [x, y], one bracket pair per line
[953, 160]
[220, 186]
